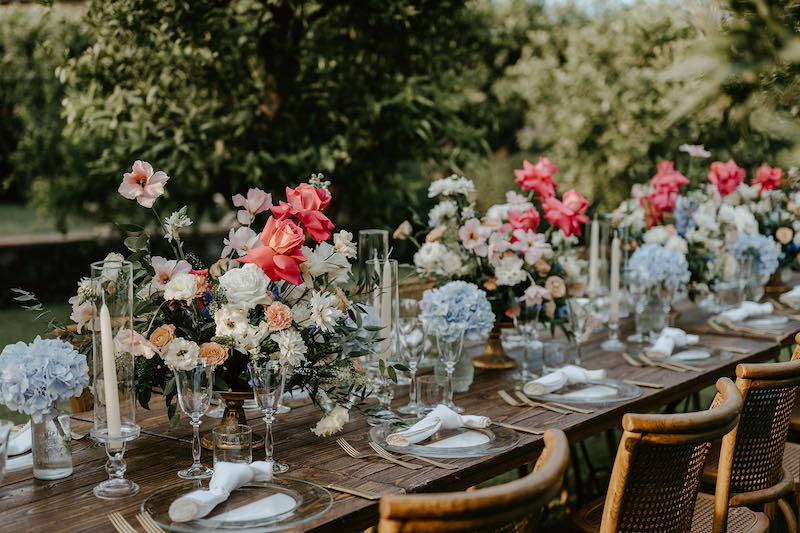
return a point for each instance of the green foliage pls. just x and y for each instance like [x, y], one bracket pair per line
[598, 101]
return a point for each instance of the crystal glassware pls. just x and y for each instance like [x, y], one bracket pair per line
[412, 347]
[429, 393]
[268, 380]
[5, 435]
[582, 321]
[233, 444]
[195, 387]
[372, 244]
[114, 376]
[450, 347]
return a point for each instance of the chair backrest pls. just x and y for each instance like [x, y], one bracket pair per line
[751, 456]
[514, 506]
[659, 461]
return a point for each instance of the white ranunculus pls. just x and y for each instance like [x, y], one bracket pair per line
[181, 354]
[332, 422]
[250, 342]
[181, 287]
[231, 322]
[246, 287]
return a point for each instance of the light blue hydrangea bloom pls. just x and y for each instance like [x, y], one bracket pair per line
[652, 265]
[762, 248]
[35, 376]
[683, 215]
[457, 305]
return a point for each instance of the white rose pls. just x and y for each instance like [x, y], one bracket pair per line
[246, 287]
[744, 220]
[112, 264]
[181, 354]
[181, 287]
[231, 322]
[677, 244]
[332, 422]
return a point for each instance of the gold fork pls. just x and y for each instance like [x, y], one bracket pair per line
[149, 525]
[563, 409]
[530, 403]
[120, 524]
[355, 454]
[386, 455]
[666, 366]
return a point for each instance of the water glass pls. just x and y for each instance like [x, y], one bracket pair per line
[412, 347]
[429, 393]
[195, 387]
[233, 444]
[526, 351]
[554, 354]
[5, 434]
[268, 380]
[450, 346]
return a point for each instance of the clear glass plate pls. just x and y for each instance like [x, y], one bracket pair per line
[699, 355]
[766, 322]
[291, 503]
[596, 393]
[449, 443]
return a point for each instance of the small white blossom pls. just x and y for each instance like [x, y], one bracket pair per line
[451, 186]
[332, 422]
[175, 222]
[343, 243]
[509, 271]
[324, 259]
[231, 322]
[112, 266]
[246, 287]
[292, 347]
[442, 212]
[695, 150]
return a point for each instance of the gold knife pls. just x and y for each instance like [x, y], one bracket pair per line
[367, 495]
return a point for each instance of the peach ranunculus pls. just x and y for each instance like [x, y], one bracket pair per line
[162, 335]
[555, 286]
[142, 184]
[768, 177]
[567, 213]
[280, 256]
[525, 220]
[213, 353]
[279, 316]
[538, 177]
[306, 203]
[726, 176]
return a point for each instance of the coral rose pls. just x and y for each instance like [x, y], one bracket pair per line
[538, 177]
[280, 256]
[768, 177]
[306, 203]
[726, 176]
[279, 316]
[162, 335]
[213, 353]
[567, 213]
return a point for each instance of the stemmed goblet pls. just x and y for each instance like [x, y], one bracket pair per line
[268, 380]
[195, 387]
[412, 343]
[450, 345]
[523, 339]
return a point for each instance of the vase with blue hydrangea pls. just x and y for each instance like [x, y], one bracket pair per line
[38, 379]
[758, 258]
[456, 311]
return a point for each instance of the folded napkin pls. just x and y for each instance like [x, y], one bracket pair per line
[566, 375]
[227, 478]
[441, 417]
[668, 340]
[747, 310]
[19, 462]
[20, 440]
[791, 298]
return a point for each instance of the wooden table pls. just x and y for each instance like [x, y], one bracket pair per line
[30, 505]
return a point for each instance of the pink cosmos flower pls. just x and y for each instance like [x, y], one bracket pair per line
[667, 178]
[240, 240]
[280, 256]
[538, 177]
[473, 236]
[726, 176]
[166, 269]
[768, 177]
[257, 201]
[567, 213]
[498, 245]
[82, 314]
[306, 203]
[142, 184]
[534, 295]
[527, 220]
[531, 244]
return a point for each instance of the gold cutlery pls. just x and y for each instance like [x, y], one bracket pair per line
[581, 410]
[120, 524]
[645, 384]
[149, 525]
[630, 360]
[667, 366]
[521, 429]
[548, 406]
[386, 455]
[355, 454]
[367, 495]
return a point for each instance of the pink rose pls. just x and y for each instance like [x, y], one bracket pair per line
[667, 178]
[567, 213]
[726, 176]
[657, 204]
[538, 177]
[142, 184]
[526, 220]
[306, 203]
[768, 177]
[279, 257]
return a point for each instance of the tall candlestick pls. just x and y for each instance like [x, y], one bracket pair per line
[616, 257]
[110, 388]
[386, 307]
[594, 258]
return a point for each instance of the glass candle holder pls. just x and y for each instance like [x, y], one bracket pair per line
[114, 385]
[382, 292]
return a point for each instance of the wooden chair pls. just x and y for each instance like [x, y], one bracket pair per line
[512, 507]
[656, 475]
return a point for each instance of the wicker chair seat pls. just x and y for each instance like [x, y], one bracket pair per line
[740, 519]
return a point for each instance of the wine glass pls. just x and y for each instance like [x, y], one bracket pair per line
[268, 380]
[412, 342]
[450, 344]
[582, 321]
[195, 387]
[523, 339]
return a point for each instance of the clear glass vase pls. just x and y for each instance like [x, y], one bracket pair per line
[51, 447]
[463, 374]
[652, 312]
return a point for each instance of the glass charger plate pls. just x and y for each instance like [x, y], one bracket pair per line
[699, 355]
[449, 443]
[597, 393]
[259, 506]
[765, 322]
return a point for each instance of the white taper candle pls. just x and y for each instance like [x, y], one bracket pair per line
[113, 422]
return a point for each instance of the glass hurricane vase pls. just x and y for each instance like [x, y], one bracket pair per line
[51, 446]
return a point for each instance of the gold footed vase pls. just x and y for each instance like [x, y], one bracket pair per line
[234, 414]
[493, 357]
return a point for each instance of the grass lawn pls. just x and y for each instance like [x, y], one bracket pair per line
[16, 219]
[19, 325]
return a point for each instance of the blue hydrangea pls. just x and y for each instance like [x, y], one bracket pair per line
[652, 265]
[35, 376]
[762, 248]
[683, 215]
[457, 305]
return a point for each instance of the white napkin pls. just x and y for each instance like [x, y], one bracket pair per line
[441, 417]
[20, 440]
[227, 478]
[668, 340]
[20, 462]
[747, 310]
[566, 375]
[791, 298]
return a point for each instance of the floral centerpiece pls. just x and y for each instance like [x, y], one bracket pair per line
[280, 293]
[455, 306]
